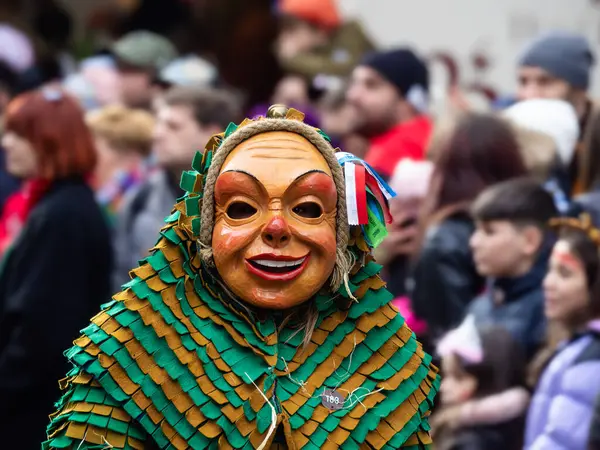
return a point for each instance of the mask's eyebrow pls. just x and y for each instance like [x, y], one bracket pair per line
[248, 174]
[309, 172]
[299, 177]
[244, 172]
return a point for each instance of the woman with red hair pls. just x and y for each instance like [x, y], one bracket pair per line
[57, 256]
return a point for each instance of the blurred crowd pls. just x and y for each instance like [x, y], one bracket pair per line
[93, 150]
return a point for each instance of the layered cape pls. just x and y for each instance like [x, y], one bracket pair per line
[172, 363]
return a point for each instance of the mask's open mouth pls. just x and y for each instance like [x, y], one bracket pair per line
[278, 268]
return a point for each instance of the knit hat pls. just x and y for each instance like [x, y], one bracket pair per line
[189, 71]
[403, 68]
[555, 118]
[320, 12]
[144, 49]
[567, 56]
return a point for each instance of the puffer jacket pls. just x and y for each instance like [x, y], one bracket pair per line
[561, 411]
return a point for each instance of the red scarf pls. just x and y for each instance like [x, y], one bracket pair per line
[16, 211]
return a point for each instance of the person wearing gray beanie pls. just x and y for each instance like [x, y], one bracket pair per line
[558, 65]
[567, 56]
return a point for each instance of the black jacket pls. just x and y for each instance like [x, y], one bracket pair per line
[517, 304]
[594, 443]
[444, 278]
[52, 282]
[8, 183]
[504, 436]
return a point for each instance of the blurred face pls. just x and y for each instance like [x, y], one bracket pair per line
[500, 249]
[298, 37]
[291, 90]
[374, 102]
[535, 82]
[457, 385]
[177, 136]
[565, 287]
[337, 121]
[21, 159]
[274, 240]
[135, 87]
[108, 160]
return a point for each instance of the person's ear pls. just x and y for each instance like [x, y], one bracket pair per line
[532, 239]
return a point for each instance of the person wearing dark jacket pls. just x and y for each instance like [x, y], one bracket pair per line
[480, 151]
[594, 442]
[511, 246]
[56, 271]
[8, 183]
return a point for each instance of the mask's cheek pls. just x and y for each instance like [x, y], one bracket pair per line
[319, 238]
[230, 242]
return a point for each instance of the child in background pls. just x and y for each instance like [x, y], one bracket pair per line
[479, 364]
[561, 411]
[123, 140]
[511, 246]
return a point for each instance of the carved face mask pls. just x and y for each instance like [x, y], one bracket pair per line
[274, 239]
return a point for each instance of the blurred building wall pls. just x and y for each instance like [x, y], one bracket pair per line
[498, 29]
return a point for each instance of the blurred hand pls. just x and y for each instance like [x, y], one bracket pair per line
[402, 233]
[448, 418]
[402, 241]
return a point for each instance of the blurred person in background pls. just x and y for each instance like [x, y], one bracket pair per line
[313, 39]
[185, 122]
[410, 181]
[558, 65]
[562, 407]
[58, 261]
[140, 56]
[480, 151]
[123, 139]
[336, 119]
[594, 442]
[187, 71]
[8, 183]
[388, 96]
[511, 247]
[547, 131]
[96, 83]
[54, 26]
[484, 368]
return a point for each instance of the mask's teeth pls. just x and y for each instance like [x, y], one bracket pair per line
[272, 263]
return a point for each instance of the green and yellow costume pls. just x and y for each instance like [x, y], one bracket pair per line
[172, 363]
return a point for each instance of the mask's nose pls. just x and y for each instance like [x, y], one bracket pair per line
[276, 232]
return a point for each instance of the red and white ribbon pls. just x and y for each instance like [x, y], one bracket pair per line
[356, 194]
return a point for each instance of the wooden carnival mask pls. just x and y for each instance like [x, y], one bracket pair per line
[274, 238]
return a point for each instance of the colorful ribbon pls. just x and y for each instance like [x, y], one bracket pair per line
[367, 197]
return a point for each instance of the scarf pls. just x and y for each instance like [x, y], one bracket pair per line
[17, 209]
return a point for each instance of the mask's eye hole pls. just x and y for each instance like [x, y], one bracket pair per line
[240, 210]
[308, 210]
